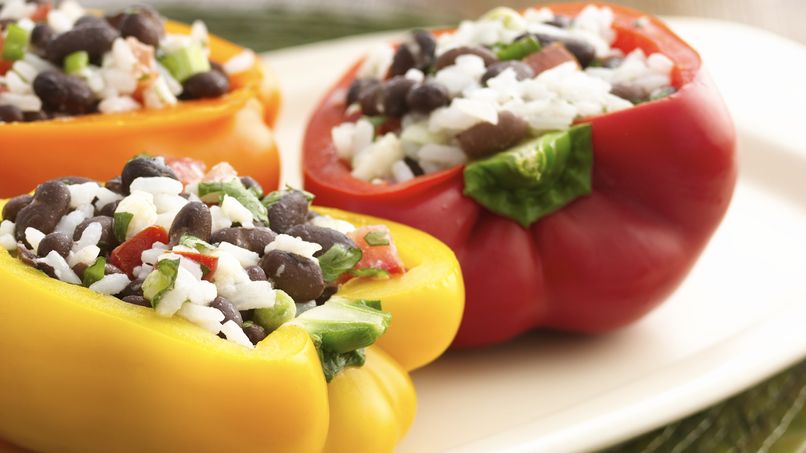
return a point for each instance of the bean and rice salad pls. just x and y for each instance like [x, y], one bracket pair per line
[438, 101]
[60, 60]
[208, 247]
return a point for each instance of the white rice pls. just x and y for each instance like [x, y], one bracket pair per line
[246, 258]
[208, 317]
[118, 104]
[144, 213]
[375, 160]
[34, 237]
[90, 236]
[157, 185]
[85, 255]
[240, 63]
[235, 334]
[220, 220]
[293, 245]
[82, 194]
[111, 284]
[68, 223]
[237, 212]
[341, 226]
[60, 267]
[7, 240]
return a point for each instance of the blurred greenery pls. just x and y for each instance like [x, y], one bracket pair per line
[769, 417]
[275, 28]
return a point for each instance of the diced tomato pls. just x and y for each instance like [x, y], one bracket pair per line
[128, 255]
[188, 170]
[208, 263]
[380, 256]
[390, 125]
[41, 13]
[221, 172]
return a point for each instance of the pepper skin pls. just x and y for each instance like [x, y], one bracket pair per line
[663, 176]
[85, 372]
[234, 127]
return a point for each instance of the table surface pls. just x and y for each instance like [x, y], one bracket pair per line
[769, 417]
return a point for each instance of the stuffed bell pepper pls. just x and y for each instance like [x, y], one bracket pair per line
[575, 157]
[172, 310]
[81, 92]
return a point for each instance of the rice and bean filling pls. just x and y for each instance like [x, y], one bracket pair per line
[60, 60]
[211, 249]
[436, 102]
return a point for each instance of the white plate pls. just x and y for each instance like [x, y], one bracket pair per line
[738, 318]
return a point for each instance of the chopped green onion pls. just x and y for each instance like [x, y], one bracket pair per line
[95, 272]
[160, 281]
[186, 62]
[338, 260]
[122, 220]
[193, 242]
[518, 49]
[76, 62]
[283, 310]
[375, 121]
[16, 43]
[376, 238]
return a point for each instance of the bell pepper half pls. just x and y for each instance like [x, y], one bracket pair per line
[663, 176]
[235, 127]
[86, 372]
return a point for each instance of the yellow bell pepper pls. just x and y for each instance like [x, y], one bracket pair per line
[85, 372]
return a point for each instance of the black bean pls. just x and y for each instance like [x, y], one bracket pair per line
[194, 219]
[560, 21]
[137, 300]
[395, 92]
[428, 96]
[255, 332]
[108, 210]
[254, 239]
[15, 205]
[252, 184]
[89, 21]
[143, 167]
[110, 269]
[108, 240]
[95, 39]
[417, 52]
[135, 288]
[371, 99]
[205, 85]
[59, 242]
[256, 273]
[583, 51]
[297, 275]
[143, 27]
[41, 36]
[414, 166]
[291, 209]
[80, 269]
[357, 87]
[629, 92]
[326, 237]
[10, 114]
[486, 138]
[64, 93]
[115, 185]
[448, 58]
[522, 70]
[32, 117]
[231, 313]
[217, 67]
[26, 256]
[51, 202]
[326, 294]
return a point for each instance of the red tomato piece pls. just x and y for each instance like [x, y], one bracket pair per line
[188, 170]
[220, 172]
[127, 256]
[208, 263]
[41, 13]
[375, 241]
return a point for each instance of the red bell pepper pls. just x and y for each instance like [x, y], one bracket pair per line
[127, 255]
[208, 263]
[663, 176]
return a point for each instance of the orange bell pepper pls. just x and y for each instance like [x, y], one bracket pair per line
[234, 127]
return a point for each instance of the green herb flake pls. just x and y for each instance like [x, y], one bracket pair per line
[370, 272]
[195, 243]
[160, 281]
[122, 221]
[519, 49]
[338, 260]
[213, 192]
[95, 272]
[376, 238]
